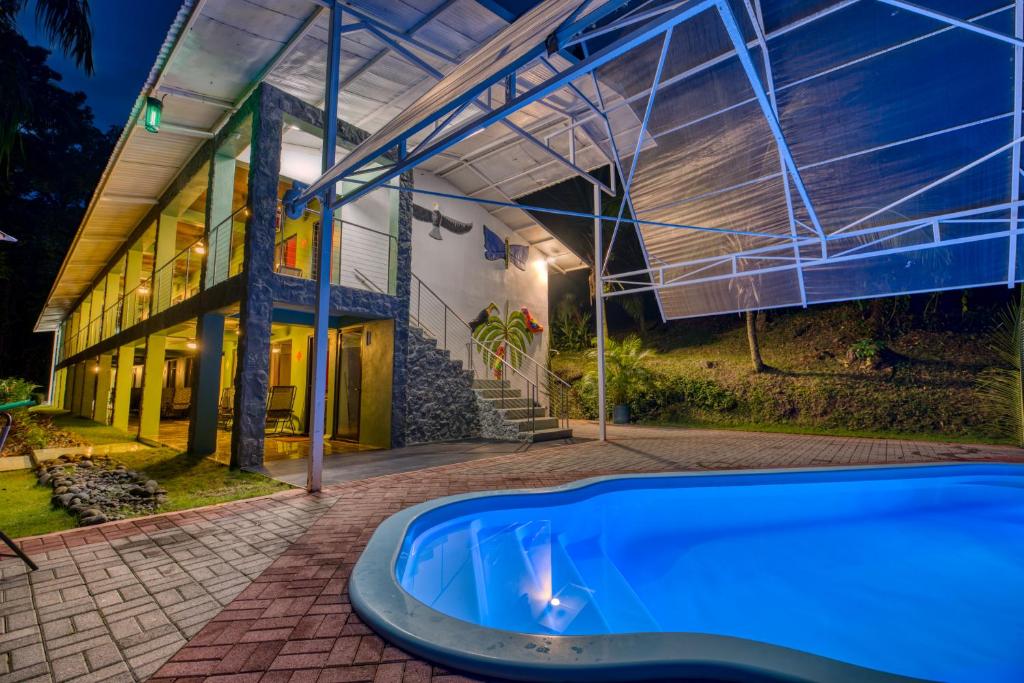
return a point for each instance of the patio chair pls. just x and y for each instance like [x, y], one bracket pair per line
[226, 408]
[166, 399]
[279, 409]
[181, 401]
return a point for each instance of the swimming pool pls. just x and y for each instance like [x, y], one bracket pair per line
[880, 573]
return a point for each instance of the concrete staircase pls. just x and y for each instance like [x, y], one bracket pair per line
[527, 418]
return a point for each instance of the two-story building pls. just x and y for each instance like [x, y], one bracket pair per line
[183, 310]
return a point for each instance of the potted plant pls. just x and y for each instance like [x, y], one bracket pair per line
[624, 373]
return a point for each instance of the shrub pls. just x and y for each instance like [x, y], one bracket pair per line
[570, 329]
[867, 349]
[625, 374]
[16, 389]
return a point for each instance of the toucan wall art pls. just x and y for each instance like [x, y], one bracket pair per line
[439, 220]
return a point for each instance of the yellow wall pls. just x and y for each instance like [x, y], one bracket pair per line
[375, 406]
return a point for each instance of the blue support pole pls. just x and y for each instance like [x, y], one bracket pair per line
[594, 61]
[321, 314]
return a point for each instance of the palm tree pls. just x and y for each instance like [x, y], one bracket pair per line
[1001, 388]
[66, 25]
[625, 373]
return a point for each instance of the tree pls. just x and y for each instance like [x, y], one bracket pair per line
[752, 341]
[66, 25]
[43, 195]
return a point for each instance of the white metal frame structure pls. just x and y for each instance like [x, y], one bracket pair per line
[819, 251]
[769, 152]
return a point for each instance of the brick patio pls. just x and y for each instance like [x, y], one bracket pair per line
[257, 588]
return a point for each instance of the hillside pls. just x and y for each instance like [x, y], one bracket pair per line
[920, 384]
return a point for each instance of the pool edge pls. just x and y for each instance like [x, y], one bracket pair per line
[382, 603]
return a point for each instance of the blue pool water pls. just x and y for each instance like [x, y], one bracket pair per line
[915, 571]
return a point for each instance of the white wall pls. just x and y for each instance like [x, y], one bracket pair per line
[456, 270]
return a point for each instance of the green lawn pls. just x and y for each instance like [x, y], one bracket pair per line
[92, 432]
[191, 481]
[26, 507]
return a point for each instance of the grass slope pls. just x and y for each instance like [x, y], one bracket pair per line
[927, 392]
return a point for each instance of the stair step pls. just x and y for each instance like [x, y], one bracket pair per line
[491, 383]
[499, 393]
[528, 425]
[523, 413]
[551, 434]
[508, 402]
[620, 606]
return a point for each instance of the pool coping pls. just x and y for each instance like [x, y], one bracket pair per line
[388, 609]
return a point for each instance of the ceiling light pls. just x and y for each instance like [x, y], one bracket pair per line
[154, 112]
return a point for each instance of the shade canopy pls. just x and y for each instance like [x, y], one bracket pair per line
[787, 152]
[773, 152]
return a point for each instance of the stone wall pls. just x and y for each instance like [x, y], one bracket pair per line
[440, 402]
[494, 426]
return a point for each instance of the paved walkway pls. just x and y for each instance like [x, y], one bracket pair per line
[257, 588]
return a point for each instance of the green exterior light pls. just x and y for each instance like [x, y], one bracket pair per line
[154, 111]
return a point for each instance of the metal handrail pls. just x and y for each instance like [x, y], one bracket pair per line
[557, 391]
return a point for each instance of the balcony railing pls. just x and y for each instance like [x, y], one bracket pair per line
[361, 257]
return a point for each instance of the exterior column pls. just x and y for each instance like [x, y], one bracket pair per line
[99, 410]
[403, 284]
[256, 309]
[123, 386]
[218, 231]
[88, 389]
[202, 428]
[163, 278]
[69, 388]
[132, 278]
[602, 416]
[152, 387]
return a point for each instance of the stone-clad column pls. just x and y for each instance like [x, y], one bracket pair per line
[257, 304]
[403, 279]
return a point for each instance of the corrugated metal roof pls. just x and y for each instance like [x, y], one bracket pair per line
[218, 51]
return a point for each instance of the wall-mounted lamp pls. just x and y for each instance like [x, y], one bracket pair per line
[191, 345]
[143, 290]
[199, 248]
[154, 112]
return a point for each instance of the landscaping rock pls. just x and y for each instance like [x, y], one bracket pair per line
[96, 489]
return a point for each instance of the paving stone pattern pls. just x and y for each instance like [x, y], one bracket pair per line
[257, 589]
[113, 602]
[294, 622]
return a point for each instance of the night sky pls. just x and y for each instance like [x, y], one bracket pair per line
[127, 34]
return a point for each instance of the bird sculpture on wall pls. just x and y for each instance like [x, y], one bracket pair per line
[439, 220]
